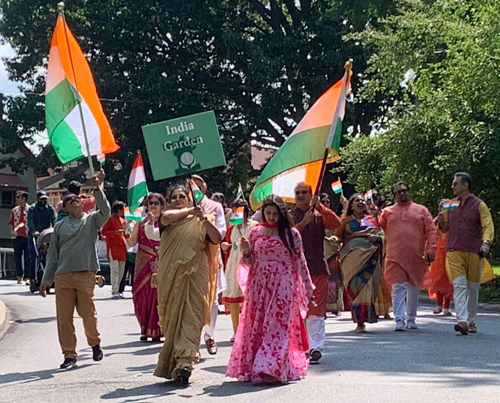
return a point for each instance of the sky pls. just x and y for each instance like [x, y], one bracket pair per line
[10, 88]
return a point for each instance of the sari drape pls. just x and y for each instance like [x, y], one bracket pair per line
[144, 296]
[361, 265]
[183, 294]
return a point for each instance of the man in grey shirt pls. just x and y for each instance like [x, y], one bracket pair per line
[72, 262]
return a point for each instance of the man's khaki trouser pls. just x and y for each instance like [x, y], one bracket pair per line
[75, 289]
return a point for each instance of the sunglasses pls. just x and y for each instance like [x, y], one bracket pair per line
[154, 203]
[179, 197]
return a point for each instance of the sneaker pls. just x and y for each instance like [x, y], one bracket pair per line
[315, 355]
[120, 295]
[437, 311]
[97, 353]
[462, 327]
[447, 312]
[400, 325]
[115, 296]
[27, 282]
[472, 327]
[411, 325]
[68, 363]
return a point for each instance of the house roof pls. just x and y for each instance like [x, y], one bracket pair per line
[12, 182]
[54, 180]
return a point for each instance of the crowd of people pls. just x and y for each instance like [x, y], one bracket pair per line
[278, 271]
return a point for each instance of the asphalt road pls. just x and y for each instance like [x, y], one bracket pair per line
[431, 364]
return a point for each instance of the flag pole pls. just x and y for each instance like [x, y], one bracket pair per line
[191, 189]
[348, 72]
[60, 8]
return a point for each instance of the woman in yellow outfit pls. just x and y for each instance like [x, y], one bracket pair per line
[183, 282]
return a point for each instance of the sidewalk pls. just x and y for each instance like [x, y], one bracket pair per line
[3, 315]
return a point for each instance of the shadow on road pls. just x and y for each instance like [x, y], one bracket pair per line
[232, 388]
[218, 369]
[35, 376]
[37, 320]
[140, 393]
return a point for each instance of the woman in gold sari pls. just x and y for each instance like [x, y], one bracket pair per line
[360, 261]
[183, 281]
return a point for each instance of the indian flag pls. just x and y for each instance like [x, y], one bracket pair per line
[300, 158]
[451, 204]
[195, 190]
[237, 217]
[369, 195]
[337, 186]
[71, 101]
[136, 215]
[137, 186]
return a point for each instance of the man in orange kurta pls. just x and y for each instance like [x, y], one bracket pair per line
[411, 245]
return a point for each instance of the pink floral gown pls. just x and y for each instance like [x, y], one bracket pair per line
[271, 338]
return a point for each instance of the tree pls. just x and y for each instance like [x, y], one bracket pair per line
[437, 65]
[259, 64]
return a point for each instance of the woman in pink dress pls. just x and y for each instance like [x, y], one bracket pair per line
[271, 342]
[144, 295]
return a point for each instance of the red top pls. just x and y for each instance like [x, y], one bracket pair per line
[115, 244]
[18, 219]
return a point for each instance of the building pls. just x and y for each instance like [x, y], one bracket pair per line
[52, 183]
[10, 183]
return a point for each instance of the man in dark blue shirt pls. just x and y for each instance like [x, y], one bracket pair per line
[41, 215]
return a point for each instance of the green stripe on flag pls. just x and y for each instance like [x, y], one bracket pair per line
[65, 143]
[260, 192]
[59, 102]
[337, 136]
[299, 149]
[138, 192]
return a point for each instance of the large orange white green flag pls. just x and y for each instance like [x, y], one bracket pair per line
[71, 101]
[300, 158]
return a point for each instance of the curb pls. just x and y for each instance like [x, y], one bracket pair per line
[3, 315]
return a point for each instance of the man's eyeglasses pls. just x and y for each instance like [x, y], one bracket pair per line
[301, 192]
[154, 203]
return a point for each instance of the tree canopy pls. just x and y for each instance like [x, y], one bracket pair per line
[437, 65]
[258, 64]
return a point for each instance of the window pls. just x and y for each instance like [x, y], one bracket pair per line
[8, 198]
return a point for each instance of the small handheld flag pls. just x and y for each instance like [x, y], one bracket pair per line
[237, 217]
[135, 216]
[196, 191]
[369, 195]
[137, 186]
[451, 204]
[337, 186]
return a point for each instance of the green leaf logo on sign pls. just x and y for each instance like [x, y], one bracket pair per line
[185, 145]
